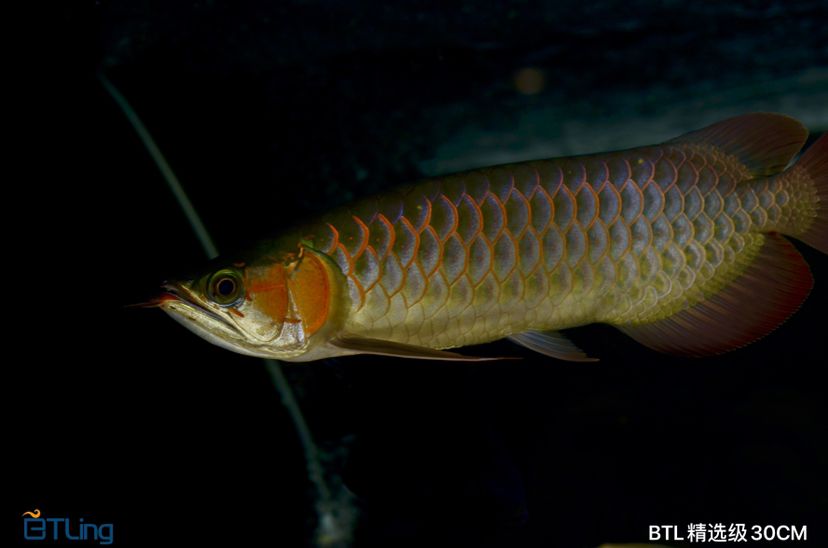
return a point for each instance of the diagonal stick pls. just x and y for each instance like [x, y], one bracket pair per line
[330, 531]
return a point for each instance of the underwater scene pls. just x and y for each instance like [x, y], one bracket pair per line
[356, 274]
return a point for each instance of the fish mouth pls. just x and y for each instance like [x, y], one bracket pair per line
[180, 294]
[180, 303]
[184, 305]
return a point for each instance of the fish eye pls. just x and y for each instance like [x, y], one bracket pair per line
[225, 287]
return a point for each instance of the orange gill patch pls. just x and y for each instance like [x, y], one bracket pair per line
[267, 289]
[310, 289]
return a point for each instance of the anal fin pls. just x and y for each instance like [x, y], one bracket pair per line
[552, 344]
[771, 288]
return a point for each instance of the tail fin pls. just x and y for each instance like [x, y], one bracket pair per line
[815, 165]
[808, 206]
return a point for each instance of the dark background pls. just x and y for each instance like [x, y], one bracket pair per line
[271, 112]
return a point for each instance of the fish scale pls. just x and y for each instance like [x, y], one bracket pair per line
[620, 237]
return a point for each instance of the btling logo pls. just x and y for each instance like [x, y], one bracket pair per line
[55, 529]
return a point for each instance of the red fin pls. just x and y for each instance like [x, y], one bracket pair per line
[765, 142]
[399, 350]
[552, 344]
[770, 289]
[815, 163]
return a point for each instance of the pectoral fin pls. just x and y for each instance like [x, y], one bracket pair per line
[767, 292]
[380, 347]
[552, 344]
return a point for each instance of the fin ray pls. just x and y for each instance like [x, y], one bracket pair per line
[815, 164]
[771, 288]
[380, 347]
[552, 344]
[765, 142]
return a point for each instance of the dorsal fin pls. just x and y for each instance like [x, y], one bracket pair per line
[763, 141]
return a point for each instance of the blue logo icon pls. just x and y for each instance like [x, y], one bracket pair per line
[37, 528]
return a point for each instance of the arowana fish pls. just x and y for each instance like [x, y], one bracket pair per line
[680, 245]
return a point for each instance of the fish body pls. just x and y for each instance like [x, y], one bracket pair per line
[677, 244]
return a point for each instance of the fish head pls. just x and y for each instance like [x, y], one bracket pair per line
[277, 307]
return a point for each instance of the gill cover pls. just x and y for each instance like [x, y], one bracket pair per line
[294, 299]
